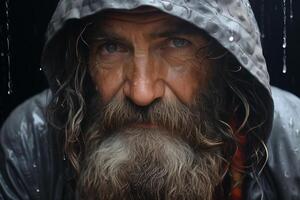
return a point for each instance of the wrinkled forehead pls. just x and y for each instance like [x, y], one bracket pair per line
[143, 18]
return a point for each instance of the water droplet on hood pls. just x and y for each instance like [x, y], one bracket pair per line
[167, 5]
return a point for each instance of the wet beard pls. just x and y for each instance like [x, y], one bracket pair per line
[179, 159]
[148, 164]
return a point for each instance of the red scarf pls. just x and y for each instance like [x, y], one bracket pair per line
[237, 166]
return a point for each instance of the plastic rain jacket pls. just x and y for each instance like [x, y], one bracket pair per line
[31, 166]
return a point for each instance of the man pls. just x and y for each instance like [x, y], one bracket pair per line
[152, 100]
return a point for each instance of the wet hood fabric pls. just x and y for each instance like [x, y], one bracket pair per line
[230, 22]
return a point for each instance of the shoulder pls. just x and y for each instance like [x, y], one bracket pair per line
[285, 101]
[23, 147]
[284, 142]
[29, 115]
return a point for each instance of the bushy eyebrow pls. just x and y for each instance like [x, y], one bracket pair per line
[175, 29]
[106, 34]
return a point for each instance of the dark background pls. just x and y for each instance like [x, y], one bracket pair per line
[28, 21]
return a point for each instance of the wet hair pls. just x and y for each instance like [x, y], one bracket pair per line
[247, 100]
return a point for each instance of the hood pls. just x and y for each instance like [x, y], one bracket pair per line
[230, 22]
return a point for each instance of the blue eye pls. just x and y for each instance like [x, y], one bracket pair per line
[179, 43]
[110, 47]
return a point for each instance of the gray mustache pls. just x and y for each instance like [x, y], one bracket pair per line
[172, 115]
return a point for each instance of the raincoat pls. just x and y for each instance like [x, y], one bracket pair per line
[31, 164]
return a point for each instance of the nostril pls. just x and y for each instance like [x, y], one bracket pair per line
[143, 87]
[142, 110]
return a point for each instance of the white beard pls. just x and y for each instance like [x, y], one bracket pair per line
[148, 164]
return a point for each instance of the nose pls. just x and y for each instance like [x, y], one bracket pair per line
[144, 83]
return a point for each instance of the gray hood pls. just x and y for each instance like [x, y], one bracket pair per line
[230, 22]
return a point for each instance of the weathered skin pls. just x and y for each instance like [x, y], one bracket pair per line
[145, 64]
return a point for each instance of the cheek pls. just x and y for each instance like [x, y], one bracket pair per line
[188, 79]
[108, 82]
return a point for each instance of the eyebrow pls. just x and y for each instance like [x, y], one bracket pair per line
[176, 29]
[105, 34]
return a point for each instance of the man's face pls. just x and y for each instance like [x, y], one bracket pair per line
[146, 56]
[154, 127]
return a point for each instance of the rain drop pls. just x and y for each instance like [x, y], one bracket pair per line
[37, 190]
[262, 19]
[41, 69]
[284, 68]
[231, 39]
[291, 10]
[34, 165]
[284, 44]
[8, 58]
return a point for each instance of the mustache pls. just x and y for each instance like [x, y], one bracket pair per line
[172, 115]
[194, 123]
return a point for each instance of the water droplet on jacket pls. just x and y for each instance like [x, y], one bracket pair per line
[34, 165]
[41, 69]
[37, 190]
[286, 174]
[231, 39]
[291, 123]
[167, 5]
